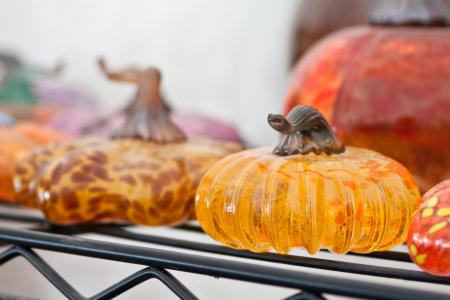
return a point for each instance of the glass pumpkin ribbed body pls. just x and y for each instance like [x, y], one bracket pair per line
[356, 201]
[384, 88]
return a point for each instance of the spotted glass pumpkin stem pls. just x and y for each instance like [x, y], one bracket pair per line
[305, 130]
[410, 13]
[148, 116]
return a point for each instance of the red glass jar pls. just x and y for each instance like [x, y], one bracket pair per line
[386, 86]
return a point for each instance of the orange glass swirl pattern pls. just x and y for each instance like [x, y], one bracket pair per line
[356, 201]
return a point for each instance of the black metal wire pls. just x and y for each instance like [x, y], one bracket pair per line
[131, 281]
[22, 219]
[388, 255]
[156, 258]
[66, 289]
[161, 274]
[305, 296]
[60, 283]
[270, 257]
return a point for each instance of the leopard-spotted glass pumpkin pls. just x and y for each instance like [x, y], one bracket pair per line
[17, 139]
[385, 86]
[310, 191]
[429, 233]
[146, 174]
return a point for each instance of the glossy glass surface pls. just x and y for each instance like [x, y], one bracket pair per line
[359, 201]
[15, 143]
[28, 171]
[429, 234]
[116, 180]
[386, 89]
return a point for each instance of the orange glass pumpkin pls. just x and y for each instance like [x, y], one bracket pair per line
[16, 141]
[147, 174]
[308, 192]
[386, 86]
[429, 233]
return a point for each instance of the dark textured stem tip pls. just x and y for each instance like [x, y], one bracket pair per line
[410, 13]
[305, 130]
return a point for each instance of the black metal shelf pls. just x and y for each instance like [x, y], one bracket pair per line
[157, 262]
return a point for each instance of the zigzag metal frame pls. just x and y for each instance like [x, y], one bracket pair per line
[305, 296]
[116, 289]
[120, 287]
[60, 283]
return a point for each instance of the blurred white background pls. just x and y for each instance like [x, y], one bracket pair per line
[228, 59]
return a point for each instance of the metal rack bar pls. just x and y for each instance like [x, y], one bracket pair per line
[62, 285]
[20, 218]
[140, 276]
[270, 257]
[158, 272]
[67, 290]
[309, 282]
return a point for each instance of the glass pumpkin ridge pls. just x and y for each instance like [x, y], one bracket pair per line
[350, 199]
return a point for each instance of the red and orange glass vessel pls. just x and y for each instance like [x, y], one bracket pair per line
[386, 86]
[429, 233]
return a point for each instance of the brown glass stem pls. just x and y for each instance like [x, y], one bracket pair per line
[148, 117]
[305, 130]
[410, 13]
[130, 74]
